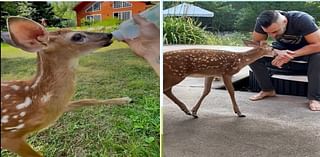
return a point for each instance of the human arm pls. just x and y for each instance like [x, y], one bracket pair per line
[285, 56]
[147, 44]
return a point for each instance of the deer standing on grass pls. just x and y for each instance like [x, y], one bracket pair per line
[30, 106]
[208, 63]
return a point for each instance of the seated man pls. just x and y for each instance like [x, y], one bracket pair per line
[297, 37]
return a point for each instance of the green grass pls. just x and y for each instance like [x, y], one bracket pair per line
[128, 130]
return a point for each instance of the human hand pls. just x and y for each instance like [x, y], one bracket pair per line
[282, 57]
[147, 44]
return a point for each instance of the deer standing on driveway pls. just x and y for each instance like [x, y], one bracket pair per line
[208, 63]
[30, 106]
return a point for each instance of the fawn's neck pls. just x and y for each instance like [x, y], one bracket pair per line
[251, 56]
[54, 76]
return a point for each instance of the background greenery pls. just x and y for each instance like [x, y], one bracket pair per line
[232, 21]
[127, 130]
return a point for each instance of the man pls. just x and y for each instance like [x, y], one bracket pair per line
[297, 37]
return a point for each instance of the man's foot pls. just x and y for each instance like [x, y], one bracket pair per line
[314, 105]
[263, 94]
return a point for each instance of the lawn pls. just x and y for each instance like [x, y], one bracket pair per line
[129, 130]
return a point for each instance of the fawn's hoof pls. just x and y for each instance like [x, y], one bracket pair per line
[194, 114]
[241, 115]
[127, 100]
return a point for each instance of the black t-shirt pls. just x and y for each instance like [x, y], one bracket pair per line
[299, 25]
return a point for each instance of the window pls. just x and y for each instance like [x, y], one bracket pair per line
[124, 15]
[93, 18]
[94, 7]
[120, 4]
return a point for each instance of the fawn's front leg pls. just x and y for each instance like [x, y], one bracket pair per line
[91, 102]
[206, 91]
[19, 146]
[228, 83]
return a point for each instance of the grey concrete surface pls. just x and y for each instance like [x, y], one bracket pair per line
[281, 126]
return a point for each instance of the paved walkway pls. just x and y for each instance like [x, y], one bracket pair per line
[282, 126]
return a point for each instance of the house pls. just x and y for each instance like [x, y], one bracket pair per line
[101, 10]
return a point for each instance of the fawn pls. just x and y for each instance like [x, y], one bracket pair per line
[208, 63]
[33, 105]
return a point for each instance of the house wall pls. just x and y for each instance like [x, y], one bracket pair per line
[107, 10]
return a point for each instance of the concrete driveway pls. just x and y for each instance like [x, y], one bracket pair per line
[282, 126]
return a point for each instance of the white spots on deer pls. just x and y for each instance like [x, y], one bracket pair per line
[5, 119]
[26, 88]
[20, 121]
[46, 98]
[27, 102]
[15, 117]
[4, 110]
[20, 126]
[22, 114]
[15, 87]
[4, 84]
[7, 96]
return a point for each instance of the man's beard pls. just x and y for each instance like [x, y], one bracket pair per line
[277, 37]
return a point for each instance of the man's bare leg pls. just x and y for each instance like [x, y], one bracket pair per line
[263, 94]
[314, 105]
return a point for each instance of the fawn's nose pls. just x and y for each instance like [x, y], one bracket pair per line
[107, 36]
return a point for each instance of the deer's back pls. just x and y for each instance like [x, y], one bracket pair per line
[201, 63]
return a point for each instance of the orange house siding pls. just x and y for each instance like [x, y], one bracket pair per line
[107, 10]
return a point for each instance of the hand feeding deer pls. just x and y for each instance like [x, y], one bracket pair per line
[208, 63]
[30, 106]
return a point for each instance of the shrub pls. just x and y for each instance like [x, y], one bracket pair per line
[183, 30]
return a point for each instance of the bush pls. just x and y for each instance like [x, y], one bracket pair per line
[183, 30]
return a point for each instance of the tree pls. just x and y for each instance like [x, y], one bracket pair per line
[43, 10]
[64, 9]
[25, 9]
[7, 9]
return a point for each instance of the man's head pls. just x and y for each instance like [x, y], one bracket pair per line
[273, 23]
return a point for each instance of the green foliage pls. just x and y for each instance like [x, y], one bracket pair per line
[118, 130]
[223, 12]
[43, 10]
[183, 31]
[232, 39]
[241, 16]
[107, 22]
[64, 9]
[25, 9]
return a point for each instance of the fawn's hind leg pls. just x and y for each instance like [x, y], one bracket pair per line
[91, 102]
[206, 91]
[182, 106]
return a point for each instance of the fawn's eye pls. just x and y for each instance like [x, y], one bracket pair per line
[78, 37]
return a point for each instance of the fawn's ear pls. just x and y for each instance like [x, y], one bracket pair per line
[27, 34]
[251, 43]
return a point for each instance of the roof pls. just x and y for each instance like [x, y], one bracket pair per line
[81, 5]
[186, 9]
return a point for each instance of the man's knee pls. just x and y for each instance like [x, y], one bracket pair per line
[315, 57]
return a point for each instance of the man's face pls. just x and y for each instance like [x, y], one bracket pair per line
[276, 29]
